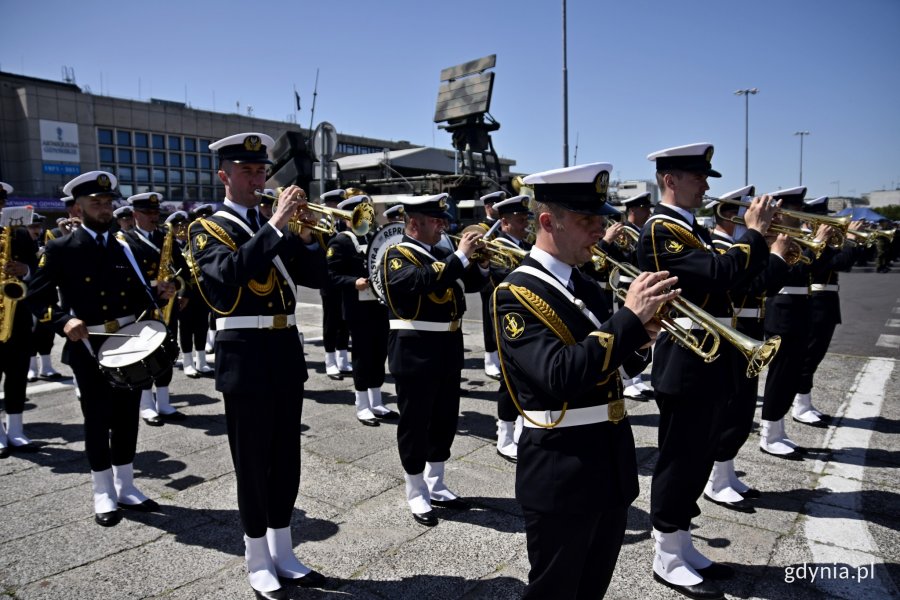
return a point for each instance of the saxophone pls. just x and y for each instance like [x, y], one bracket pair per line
[11, 289]
[166, 271]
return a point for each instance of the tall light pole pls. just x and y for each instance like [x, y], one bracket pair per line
[746, 94]
[565, 74]
[802, 134]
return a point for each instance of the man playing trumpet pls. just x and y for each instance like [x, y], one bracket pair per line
[247, 270]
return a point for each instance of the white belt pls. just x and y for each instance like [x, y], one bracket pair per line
[794, 291]
[746, 313]
[686, 323]
[111, 326]
[425, 325]
[825, 287]
[625, 279]
[256, 322]
[573, 417]
[152, 283]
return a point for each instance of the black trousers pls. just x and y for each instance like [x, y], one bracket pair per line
[429, 411]
[737, 417]
[42, 339]
[688, 436]
[15, 355]
[193, 323]
[506, 409]
[783, 379]
[264, 438]
[335, 332]
[110, 413]
[820, 335]
[487, 319]
[369, 329]
[572, 556]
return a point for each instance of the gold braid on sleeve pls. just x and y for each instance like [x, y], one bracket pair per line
[536, 306]
[686, 236]
[216, 232]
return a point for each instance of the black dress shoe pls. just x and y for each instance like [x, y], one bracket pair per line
[739, 506]
[147, 505]
[456, 504]
[369, 422]
[174, 416]
[511, 459]
[427, 519]
[278, 594]
[4, 452]
[50, 376]
[701, 591]
[313, 579]
[716, 572]
[391, 415]
[752, 494]
[108, 519]
[153, 421]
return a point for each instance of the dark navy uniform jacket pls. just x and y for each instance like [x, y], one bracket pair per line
[148, 256]
[420, 287]
[96, 285]
[553, 354]
[238, 278]
[346, 264]
[669, 243]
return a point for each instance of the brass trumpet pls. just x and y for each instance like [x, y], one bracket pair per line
[869, 238]
[500, 252]
[800, 239]
[627, 239]
[361, 218]
[758, 353]
[841, 224]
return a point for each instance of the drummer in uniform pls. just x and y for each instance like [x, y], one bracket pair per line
[102, 292]
[146, 242]
[560, 348]
[247, 269]
[425, 347]
[690, 392]
[366, 317]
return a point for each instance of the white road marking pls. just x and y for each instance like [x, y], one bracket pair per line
[888, 341]
[892, 323]
[839, 535]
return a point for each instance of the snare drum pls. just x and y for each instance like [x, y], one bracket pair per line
[136, 362]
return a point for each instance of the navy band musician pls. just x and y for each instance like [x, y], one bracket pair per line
[247, 270]
[425, 287]
[691, 393]
[491, 362]
[101, 289]
[561, 347]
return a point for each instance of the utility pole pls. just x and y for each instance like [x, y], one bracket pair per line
[565, 73]
[802, 134]
[746, 94]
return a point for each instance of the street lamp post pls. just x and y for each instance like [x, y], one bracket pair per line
[802, 134]
[746, 94]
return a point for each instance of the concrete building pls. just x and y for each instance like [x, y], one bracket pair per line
[51, 131]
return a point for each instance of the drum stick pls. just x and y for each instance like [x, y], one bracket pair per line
[114, 334]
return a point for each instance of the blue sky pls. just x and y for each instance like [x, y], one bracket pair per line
[643, 74]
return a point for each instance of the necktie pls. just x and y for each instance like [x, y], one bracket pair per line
[252, 218]
[101, 241]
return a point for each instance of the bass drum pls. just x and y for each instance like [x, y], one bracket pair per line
[387, 236]
[138, 360]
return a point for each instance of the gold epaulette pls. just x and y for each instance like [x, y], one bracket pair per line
[685, 235]
[409, 254]
[539, 308]
[218, 232]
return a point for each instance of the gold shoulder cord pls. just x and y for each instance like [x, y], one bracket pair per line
[387, 292]
[220, 234]
[539, 308]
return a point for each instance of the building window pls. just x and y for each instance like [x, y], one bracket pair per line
[174, 160]
[142, 157]
[108, 168]
[107, 155]
[159, 159]
[143, 189]
[204, 146]
[125, 173]
[206, 162]
[125, 156]
[174, 176]
[190, 161]
[123, 138]
[190, 177]
[159, 141]
[205, 177]
[143, 175]
[190, 144]
[141, 140]
[174, 143]
[126, 190]
[159, 175]
[104, 136]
